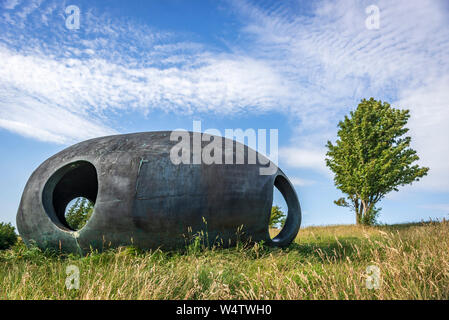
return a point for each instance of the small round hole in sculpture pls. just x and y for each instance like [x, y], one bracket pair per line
[78, 212]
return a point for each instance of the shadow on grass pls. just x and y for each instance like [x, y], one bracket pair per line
[354, 247]
[405, 226]
[332, 249]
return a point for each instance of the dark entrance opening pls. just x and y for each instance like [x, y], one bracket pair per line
[75, 180]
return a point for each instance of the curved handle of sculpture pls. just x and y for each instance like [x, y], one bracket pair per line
[291, 227]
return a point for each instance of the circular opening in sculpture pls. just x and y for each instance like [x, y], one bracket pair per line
[279, 212]
[78, 212]
[293, 213]
[75, 181]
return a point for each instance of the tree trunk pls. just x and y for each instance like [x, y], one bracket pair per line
[363, 209]
[366, 211]
[358, 218]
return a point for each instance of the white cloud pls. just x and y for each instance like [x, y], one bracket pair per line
[429, 123]
[304, 158]
[29, 8]
[301, 182]
[334, 59]
[31, 117]
[84, 87]
[79, 81]
[10, 4]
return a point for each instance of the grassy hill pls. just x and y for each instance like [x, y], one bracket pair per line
[323, 263]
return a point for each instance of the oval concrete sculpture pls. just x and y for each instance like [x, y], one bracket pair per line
[143, 197]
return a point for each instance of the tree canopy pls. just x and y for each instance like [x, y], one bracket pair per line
[372, 157]
[8, 236]
[277, 217]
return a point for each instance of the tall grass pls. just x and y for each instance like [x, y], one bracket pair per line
[322, 263]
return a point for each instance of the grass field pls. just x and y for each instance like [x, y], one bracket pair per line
[323, 263]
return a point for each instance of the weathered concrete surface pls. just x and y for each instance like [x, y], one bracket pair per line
[142, 198]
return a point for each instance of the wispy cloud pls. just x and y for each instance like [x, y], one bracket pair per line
[301, 182]
[429, 127]
[304, 158]
[10, 4]
[115, 65]
[334, 60]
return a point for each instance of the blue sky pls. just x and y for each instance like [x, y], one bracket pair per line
[295, 66]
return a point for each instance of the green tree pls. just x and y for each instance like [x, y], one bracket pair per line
[277, 217]
[8, 236]
[372, 157]
[79, 213]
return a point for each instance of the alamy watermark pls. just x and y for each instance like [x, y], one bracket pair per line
[72, 21]
[212, 153]
[373, 279]
[73, 277]
[372, 22]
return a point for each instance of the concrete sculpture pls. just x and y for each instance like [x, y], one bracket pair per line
[143, 198]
